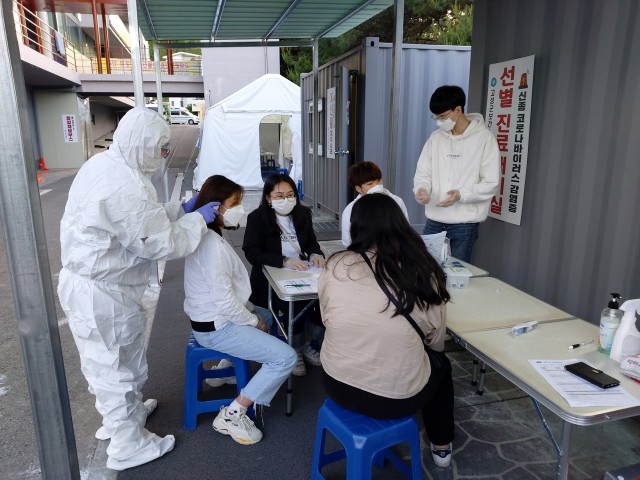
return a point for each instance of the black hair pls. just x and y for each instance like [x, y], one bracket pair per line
[269, 184]
[363, 172]
[445, 98]
[401, 258]
[217, 188]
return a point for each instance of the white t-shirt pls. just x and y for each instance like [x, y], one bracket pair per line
[286, 222]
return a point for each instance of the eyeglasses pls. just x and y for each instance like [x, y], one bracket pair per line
[164, 151]
[280, 196]
[442, 116]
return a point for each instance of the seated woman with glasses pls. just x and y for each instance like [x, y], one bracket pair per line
[373, 358]
[280, 234]
[217, 289]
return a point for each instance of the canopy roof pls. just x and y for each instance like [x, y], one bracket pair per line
[214, 20]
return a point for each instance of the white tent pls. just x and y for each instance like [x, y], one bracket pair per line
[230, 143]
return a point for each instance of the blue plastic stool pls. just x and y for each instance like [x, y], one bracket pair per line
[283, 171]
[195, 375]
[366, 440]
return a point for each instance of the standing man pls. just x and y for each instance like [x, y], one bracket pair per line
[458, 171]
[112, 229]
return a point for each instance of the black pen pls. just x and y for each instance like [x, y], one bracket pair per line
[581, 344]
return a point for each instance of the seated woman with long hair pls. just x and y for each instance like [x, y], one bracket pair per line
[374, 361]
[217, 290]
[280, 234]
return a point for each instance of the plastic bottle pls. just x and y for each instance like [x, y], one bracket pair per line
[609, 323]
[627, 339]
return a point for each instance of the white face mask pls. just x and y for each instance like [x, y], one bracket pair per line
[376, 189]
[445, 125]
[232, 216]
[283, 206]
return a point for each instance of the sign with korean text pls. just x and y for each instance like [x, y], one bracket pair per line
[508, 116]
[331, 122]
[69, 128]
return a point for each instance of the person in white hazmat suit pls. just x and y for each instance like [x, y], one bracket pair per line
[112, 229]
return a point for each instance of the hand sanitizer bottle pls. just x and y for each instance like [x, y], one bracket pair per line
[609, 323]
[627, 339]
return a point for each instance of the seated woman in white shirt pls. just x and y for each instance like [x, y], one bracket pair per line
[374, 361]
[364, 177]
[217, 291]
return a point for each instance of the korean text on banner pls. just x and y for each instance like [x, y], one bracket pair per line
[331, 122]
[508, 117]
[69, 128]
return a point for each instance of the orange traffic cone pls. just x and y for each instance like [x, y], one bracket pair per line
[42, 164]
[40, 178]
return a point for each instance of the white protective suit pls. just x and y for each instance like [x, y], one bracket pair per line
[111, 230]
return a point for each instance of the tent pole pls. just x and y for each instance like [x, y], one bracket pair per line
[29, 269]
[316, 125]
[136, 65]
[396, 91]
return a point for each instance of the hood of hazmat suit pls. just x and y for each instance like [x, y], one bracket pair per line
[111, 230]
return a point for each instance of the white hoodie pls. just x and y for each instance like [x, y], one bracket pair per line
[469, 163]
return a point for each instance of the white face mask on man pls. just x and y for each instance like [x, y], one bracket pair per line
[232, 216]
[376, 189]
[283, 206]
[446, 125]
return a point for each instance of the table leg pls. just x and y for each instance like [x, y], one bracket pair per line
[474, 378]
[290, 381]
[563, 455]
[483, 370]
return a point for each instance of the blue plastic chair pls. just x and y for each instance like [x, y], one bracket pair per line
[195, 375]
[365, 440]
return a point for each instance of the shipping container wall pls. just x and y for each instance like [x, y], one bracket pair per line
[579, 237]
[424, 68]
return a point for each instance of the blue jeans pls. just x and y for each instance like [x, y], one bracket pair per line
[461, 236]
[249, 343]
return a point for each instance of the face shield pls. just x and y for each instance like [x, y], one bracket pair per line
[140, 138]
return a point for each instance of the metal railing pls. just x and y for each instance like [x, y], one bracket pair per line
[38, 35]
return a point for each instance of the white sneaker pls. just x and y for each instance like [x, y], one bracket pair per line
[442, 457]
[150, 405]
[311, 355]
[299, 370]
[218, 382]
[238, 425]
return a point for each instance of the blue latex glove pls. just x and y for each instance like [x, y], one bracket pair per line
[209, 211]
[189, 204]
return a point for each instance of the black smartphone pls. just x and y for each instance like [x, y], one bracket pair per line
[593, 375]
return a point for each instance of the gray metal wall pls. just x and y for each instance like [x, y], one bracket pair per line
[580, 233]
[425, 67]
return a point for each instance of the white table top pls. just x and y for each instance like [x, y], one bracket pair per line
[489, 303]
[475, 271]
[510, 356]
[275, 274]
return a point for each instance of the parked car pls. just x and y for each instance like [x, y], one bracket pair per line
[182, 115]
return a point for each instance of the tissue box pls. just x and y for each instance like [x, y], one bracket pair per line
[457, 277]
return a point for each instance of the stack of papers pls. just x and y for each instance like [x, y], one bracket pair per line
[579, 392]
[437, 246]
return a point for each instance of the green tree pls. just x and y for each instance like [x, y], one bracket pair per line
[438, 22]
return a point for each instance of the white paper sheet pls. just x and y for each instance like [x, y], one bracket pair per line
[578, 392]
[311, 269]
[435, 245]
[300, 285]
